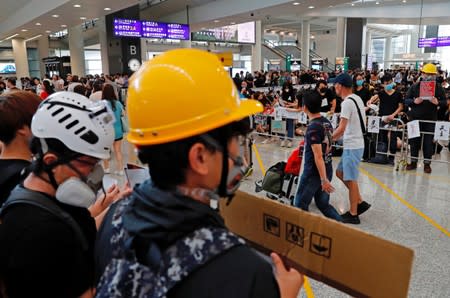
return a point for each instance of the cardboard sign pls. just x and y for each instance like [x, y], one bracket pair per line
[341, 256]
[441, 131]
[413, 129]
[427, 89]
[373, 124]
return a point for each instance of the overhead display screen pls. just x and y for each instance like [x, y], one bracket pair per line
[148, 29]
[433, 42]
[240, 33]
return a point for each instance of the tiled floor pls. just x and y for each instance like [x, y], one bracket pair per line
[389, 218]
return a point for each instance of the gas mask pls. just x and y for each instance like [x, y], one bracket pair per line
[81, 191]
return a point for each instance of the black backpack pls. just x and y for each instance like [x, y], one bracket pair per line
[21, 195]
[7, 179]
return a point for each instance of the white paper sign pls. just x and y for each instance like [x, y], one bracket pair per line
[278, 114]
[302, 118]
[334, 121]
[413, 129]
[441, 131]
[324, 102]
[373, 124]
[291, 114]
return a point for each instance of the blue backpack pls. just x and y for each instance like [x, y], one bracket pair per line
[125, 276]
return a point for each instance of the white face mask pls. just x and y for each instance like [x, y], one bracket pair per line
[77, 193]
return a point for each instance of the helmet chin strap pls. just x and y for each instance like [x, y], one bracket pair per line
[223, 193]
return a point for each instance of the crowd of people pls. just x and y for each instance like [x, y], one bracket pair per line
[352, 95]
[64, 235]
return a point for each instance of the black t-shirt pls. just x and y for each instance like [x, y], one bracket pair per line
[364, 93]
[426, 110]
[327, 100]
[10, 170]
[40, 256]
[319, 131]
[389, 103]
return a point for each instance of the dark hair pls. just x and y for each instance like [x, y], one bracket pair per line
[16, 110]
[312, 101]
[75, 79]
[321, 82]
[48, 87]
[386, 78]
[98, 85]
[80, 89]
[56, 147]
[109, 94]
[169, 162]
[12, 81]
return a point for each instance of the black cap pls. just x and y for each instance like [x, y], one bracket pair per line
[344, 79]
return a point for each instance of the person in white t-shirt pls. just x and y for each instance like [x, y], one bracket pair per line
[351, 128]
[97, 91]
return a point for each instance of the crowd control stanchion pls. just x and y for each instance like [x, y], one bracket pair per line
[431, 133]
[386, 134]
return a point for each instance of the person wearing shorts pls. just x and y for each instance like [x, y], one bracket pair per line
[351, 129]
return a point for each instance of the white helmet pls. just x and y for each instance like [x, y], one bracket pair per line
[84, 126]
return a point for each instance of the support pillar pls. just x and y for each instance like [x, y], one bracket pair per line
[256, 49]
[387, 51]
[306, 37]
[103, 45]
[43, 52]
[76, 48]
[414, 40]
[355, 41]
[340, 36]
[20, 57]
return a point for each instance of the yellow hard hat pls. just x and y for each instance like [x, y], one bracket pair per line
[429, 68]
[180, 94]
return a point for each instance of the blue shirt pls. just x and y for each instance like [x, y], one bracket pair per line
[319, 131]
[118, 129]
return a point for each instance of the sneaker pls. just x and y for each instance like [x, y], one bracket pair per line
[363, 207]
[350, 219]
[106, 170]
[289, 144]
[427, 169]
[411, 166]
[283, 143]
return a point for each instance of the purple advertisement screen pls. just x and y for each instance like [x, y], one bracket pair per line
[148, 29]
[433, 42]
[443, 41]
[127, 28]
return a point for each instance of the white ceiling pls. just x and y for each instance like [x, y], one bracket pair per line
[7, 9]
[68, 15]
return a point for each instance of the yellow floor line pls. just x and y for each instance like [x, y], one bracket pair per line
[412, 173]
[308, 289]
[306, 285]
[258, 158]
[404, 202]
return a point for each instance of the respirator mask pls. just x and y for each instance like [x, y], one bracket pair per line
[81, 191]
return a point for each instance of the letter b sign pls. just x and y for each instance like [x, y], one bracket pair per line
[133, 50]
